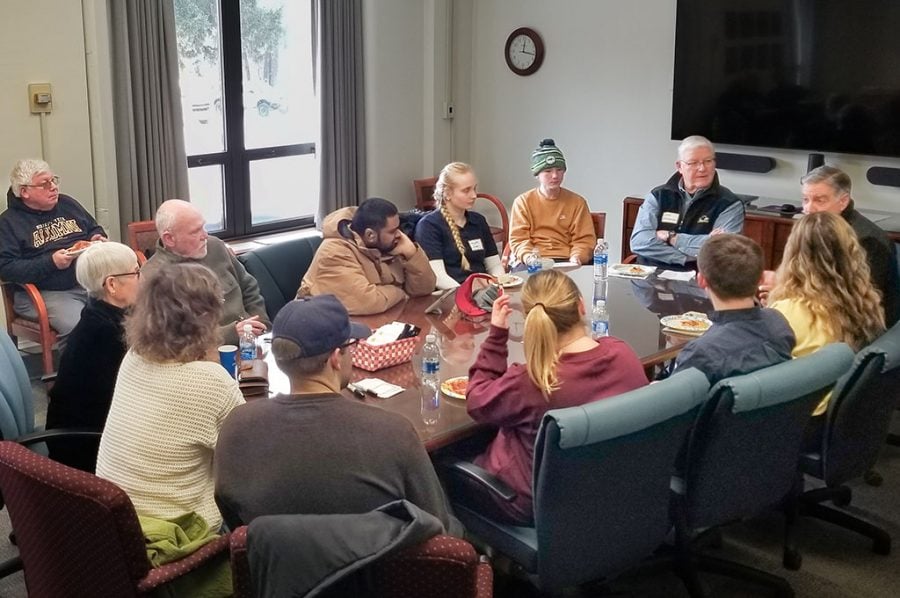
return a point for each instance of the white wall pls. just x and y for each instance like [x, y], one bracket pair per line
[604, 93]
[43, 41]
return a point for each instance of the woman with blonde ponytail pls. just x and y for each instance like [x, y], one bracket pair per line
[456, 239]
[564, 367]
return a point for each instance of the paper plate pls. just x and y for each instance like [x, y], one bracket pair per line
[452, 386]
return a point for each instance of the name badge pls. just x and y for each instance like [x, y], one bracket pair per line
[476, 245]
[670, 217]
[666, 297]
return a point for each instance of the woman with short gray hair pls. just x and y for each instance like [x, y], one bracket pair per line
[88, 367]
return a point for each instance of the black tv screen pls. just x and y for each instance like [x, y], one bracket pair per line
[816, 75]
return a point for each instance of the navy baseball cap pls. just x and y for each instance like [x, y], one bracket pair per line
[317, 324]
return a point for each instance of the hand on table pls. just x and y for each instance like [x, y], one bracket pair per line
[500, 312]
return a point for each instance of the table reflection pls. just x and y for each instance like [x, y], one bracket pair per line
[634, 307]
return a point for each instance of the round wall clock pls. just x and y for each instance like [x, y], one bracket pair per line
[524, 51]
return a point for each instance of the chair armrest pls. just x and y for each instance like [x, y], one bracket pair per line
[169, 571]
[480, 477]
[44, 435]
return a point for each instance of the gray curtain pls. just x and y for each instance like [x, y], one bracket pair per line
[150, 154]
[342, 149]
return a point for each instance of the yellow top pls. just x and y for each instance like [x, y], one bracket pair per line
[810, 333]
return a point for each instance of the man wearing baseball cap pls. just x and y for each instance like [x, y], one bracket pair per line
[315, 451]
[549, 217]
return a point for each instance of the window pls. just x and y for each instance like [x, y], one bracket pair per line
[251, 117]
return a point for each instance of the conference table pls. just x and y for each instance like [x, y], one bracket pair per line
[635, 307]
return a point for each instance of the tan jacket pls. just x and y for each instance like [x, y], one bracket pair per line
[363, 279]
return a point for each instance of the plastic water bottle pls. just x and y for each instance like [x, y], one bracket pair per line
[601, 260]
[431, 381]
[248, 343]
[599, 320]
[533, 261]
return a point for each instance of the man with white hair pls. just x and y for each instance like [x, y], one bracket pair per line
[183, 238]
[37, 230]
[677, 217]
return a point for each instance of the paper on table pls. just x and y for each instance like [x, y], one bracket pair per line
[673, 275]
[378, 387]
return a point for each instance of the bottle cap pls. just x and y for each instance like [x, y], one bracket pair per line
[601, 302]
[430, 338]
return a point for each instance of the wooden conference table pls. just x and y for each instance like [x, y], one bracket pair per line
[634, 306]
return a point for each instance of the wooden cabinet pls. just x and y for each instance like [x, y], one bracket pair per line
[769, 230]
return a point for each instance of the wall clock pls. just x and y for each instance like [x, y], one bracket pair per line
[524, 51]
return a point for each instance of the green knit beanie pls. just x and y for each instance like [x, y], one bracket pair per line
[547, 155]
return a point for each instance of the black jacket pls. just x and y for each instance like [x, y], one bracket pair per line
[882, 261]
[28, 239]
[83, 390]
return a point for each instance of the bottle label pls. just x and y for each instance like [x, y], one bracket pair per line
[430, 366]
[599, 328]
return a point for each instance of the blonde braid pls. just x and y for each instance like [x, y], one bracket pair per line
[457, 239]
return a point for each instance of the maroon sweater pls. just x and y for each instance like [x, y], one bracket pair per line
[504, 395]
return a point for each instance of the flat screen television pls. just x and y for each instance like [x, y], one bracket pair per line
[815, 75]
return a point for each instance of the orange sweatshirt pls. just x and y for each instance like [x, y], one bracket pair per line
[560, 228]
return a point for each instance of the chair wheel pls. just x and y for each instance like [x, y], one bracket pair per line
[873, 478]
[792, 559]
[843, 497]
[882, 546]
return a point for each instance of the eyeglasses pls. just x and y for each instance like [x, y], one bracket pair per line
[695, 164]
[48, 184]
[350, 345]
[135, 272]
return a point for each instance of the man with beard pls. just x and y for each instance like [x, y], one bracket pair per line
[183, 238]
[366, 261]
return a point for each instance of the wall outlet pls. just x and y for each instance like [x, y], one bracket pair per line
[40, 98]
[448, 111]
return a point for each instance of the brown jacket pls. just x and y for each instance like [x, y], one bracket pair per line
[363, 279]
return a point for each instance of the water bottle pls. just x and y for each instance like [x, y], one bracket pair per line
[533, 261]
[431, 381]
[599, 320]
[248, 343]
[601, 260]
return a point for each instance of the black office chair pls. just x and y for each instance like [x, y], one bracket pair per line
[856, 424]
[601, 485]
[279, 268]
[742, 455]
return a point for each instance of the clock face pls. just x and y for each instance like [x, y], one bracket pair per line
[524, 51]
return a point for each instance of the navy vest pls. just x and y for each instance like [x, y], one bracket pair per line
[701, 216]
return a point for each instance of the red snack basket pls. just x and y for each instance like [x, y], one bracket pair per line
[377, 357]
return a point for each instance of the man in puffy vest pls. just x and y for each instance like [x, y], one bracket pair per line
[676, 218]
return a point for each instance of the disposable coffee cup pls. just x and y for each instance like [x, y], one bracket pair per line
[228, 359]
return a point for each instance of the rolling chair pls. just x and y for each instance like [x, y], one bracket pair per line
[36, 330]
[17, 417]
[78, 535]
[279, 268]
[742, 454]
[856, 424]
[601, 484]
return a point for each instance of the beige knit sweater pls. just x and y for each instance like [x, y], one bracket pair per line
[161, 432]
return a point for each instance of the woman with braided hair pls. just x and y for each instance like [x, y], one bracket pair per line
[456, 239]
[564, 367]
